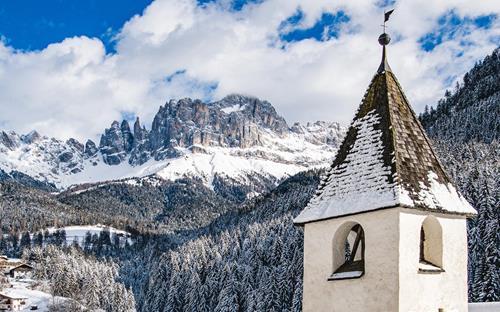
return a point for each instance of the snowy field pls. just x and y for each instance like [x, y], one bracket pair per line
[78, 232]
[22, 289]
[484, 307]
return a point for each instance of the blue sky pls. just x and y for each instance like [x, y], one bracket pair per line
[33, 24]
[235, 5]
[70, 67]
[325, 28]
[450, 26]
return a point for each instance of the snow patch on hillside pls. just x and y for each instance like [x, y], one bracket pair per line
[234, 108]
[78, 232]
[40, 299]
[276, 157]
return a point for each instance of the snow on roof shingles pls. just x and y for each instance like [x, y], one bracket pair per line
[13, 296]
[385, 161]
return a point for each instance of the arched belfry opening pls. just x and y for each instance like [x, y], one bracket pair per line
[431, 246]
[348, 252]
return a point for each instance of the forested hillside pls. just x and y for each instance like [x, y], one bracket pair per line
[470, 112]
[474, 167]
[139, 204]
[465, 128]
[88, 282]
[248, 260]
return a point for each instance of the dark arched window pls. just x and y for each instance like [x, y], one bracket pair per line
[352, 249]
[422, 244]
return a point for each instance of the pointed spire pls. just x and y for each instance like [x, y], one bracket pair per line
[385, 161]
[384, 40]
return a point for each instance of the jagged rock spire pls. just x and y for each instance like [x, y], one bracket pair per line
[385, 161]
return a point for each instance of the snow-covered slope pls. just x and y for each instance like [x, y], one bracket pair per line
[239, 138]
[42, 158]
[77, 233]
[42, 300]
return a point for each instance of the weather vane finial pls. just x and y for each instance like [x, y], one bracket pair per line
[384, 40]
[386, 17]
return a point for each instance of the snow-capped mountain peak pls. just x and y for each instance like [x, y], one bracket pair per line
[238, 137]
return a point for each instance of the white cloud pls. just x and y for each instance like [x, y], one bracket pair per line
[73, 88]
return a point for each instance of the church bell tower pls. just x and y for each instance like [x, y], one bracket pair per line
[386, 229]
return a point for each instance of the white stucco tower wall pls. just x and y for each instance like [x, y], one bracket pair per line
[377, 289]
[422, 292]
[392, 281]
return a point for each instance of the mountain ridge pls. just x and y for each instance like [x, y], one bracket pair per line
[238, 136]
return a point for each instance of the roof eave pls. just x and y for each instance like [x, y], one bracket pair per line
[418, 208]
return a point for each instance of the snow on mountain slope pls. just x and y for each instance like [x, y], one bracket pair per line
[238, 137]
[277, 158]
[78, 232]
[234, 108]
[43, 158]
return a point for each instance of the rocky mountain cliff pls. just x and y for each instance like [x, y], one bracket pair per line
[235, 121]
[237, 137]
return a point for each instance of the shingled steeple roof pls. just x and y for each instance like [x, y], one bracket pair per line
[385, 160]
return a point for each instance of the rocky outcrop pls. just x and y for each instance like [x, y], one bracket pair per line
[9, 140]
[140, 134]
[77, 145]
[320, 132]
[42, 158]
[235, 121]
[65, 156]
[128, 137]
[115, 143]
[31, 137]
[90, 149]
[261, 113]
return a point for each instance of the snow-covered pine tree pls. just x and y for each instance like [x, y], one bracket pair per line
[490, 239]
